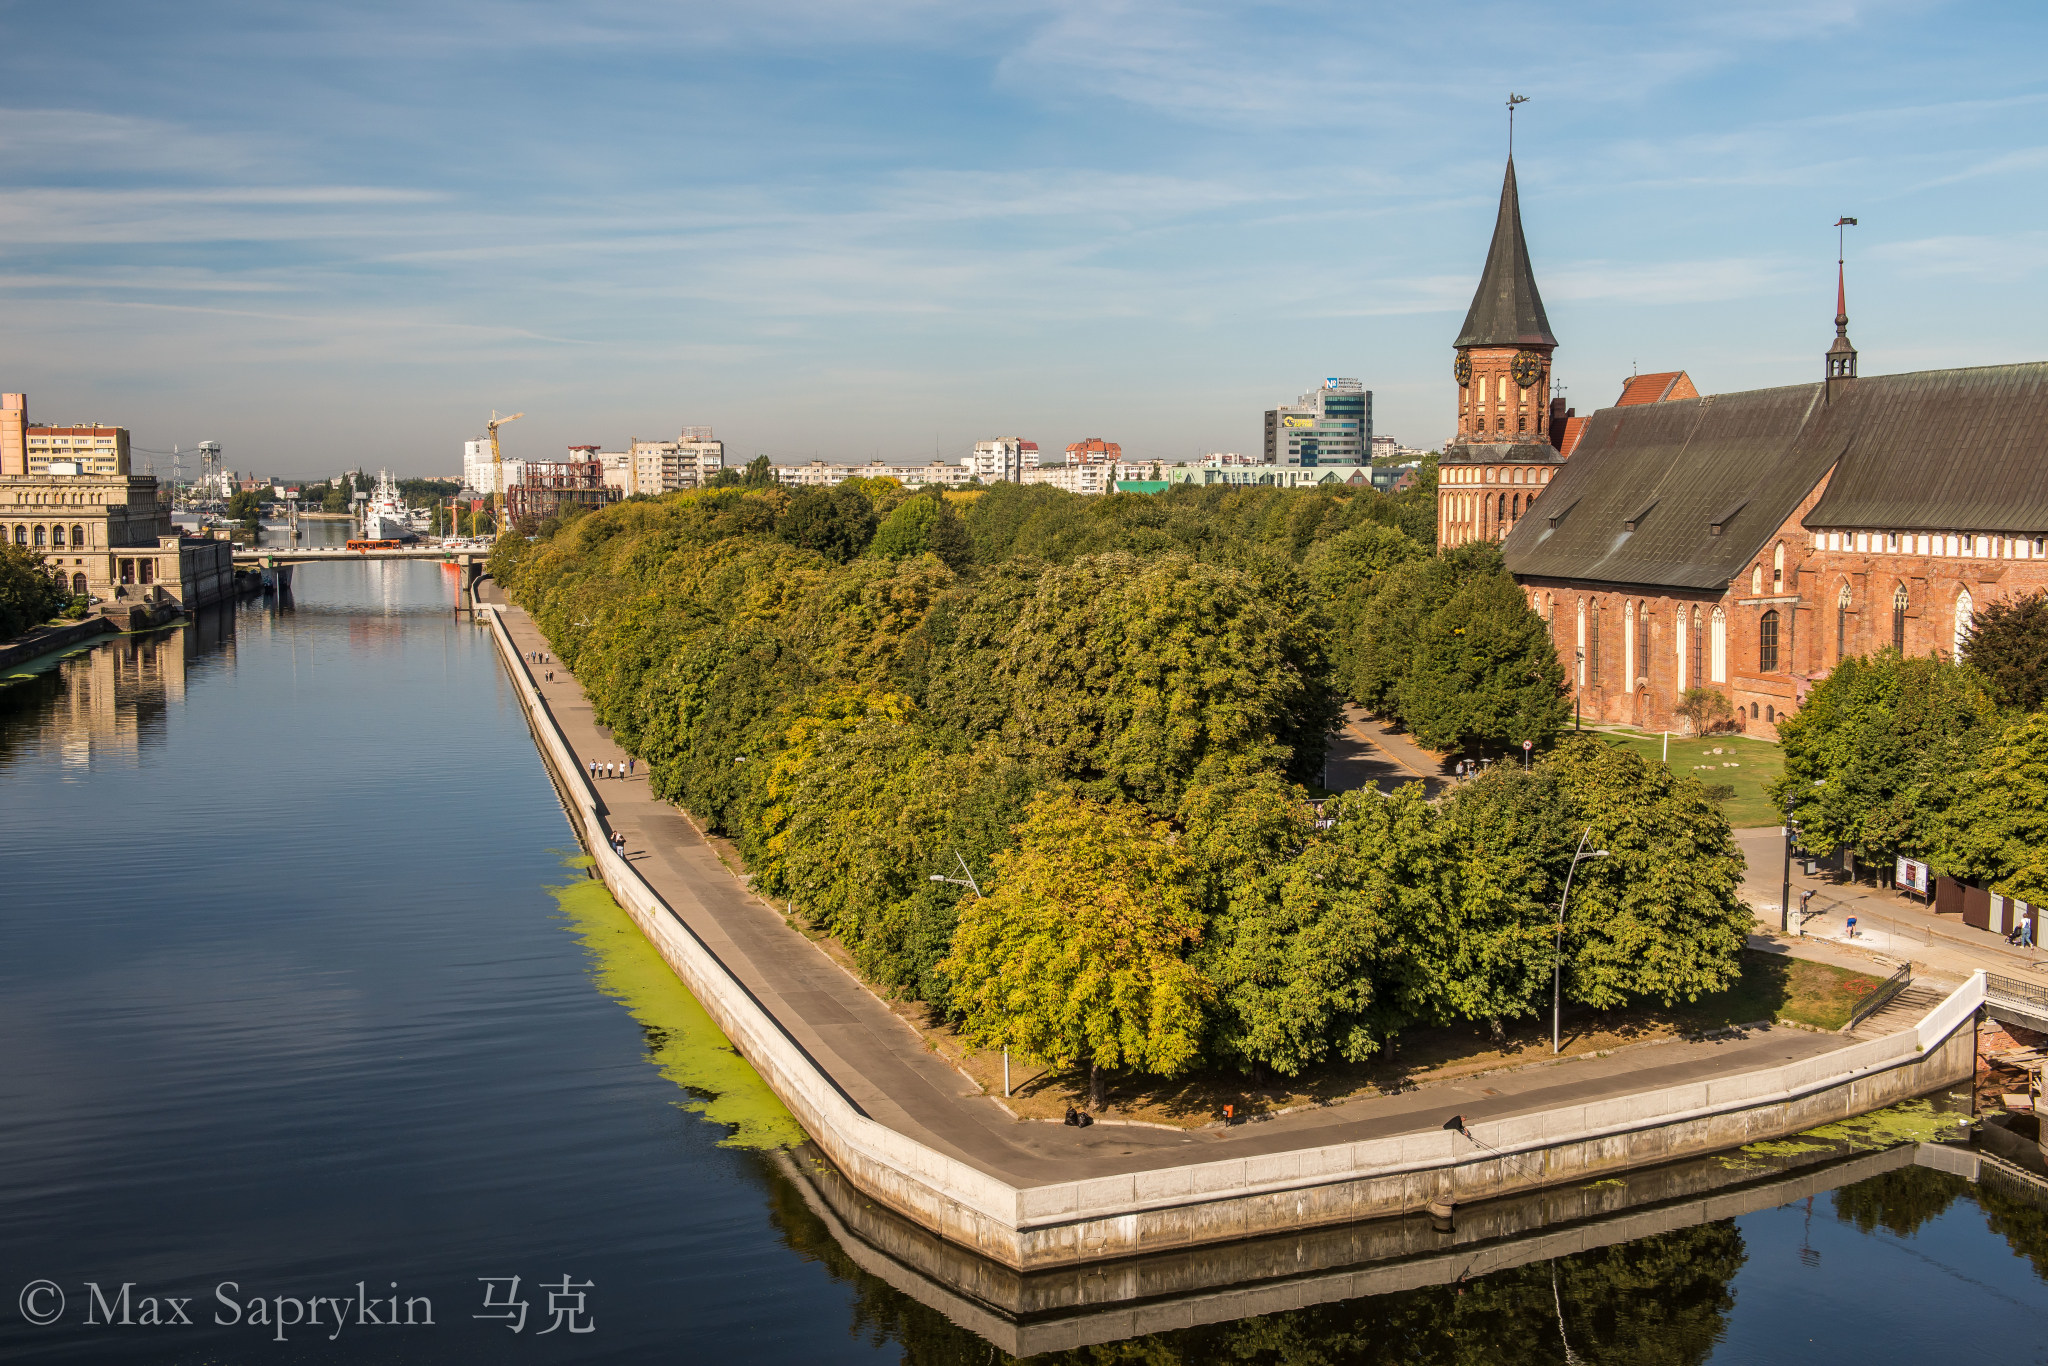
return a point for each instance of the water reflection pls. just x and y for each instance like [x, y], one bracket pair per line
[1656, 1283]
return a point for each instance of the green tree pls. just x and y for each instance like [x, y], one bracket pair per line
[247, 506]
[1484, 672]
[1875, 755]
[1079, 954]
[1129, 676]
[906, 532]
[1485, 949]
[1299, 924]
[28, 594]
[1702, 707]
[1662, 917]
[837, 522]
[1996, 832]
[2008, 644]
[760, 473]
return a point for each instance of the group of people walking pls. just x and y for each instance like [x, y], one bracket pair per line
[541, 657]
[610, 769]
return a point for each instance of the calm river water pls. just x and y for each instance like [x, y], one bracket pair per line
[302, 995]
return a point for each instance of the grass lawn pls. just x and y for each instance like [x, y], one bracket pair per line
[1772, 987]
[1748, 766]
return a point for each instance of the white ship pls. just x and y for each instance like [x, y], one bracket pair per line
[385, 517]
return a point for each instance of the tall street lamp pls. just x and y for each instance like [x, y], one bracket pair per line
[1557, 954]
[968, 881]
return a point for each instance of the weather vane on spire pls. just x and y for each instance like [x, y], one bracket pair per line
[1513, 100]
[1842, 355]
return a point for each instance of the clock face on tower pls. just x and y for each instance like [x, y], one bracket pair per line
[1462, 369]
[1527, 369]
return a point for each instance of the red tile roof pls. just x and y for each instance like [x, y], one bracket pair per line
[1659, 388]
[1574, 428]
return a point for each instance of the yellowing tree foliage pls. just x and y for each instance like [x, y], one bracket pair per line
[1080, 951]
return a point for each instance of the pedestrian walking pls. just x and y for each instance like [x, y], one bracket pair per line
[629, 768]
[593, 770]
[2027, 931]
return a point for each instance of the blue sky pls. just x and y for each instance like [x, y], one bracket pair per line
[341, 234]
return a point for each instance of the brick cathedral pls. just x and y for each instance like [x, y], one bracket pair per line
[1747, 541]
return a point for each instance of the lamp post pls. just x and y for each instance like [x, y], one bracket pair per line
[1557, 954]
[968, 881]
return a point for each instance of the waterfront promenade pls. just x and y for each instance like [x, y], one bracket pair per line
[879, 1064]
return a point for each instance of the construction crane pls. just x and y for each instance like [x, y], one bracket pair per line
[497, 474]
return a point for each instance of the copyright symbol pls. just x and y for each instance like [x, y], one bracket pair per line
[42, 1303]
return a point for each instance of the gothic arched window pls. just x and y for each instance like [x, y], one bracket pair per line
[1778, 568]
[1593, 649]
[1767, 642]
[1841, 623]
[1582, 642]
[1965, 609]
[1899, 620]
[1719, 655]
[1685, 675]
[1628, 645]
[1756, 581]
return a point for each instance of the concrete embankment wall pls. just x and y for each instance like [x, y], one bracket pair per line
[1120, 1216]
[24, 648]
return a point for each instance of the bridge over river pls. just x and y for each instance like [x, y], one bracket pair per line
[277, 563]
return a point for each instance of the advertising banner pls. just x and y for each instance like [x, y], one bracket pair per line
[1911, 876]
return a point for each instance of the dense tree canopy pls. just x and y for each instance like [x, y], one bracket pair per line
[1880, 750]
[1105, 709]
[2008, 645]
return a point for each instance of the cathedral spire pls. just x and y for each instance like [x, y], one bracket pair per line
[1506, 309]
[1842, 355]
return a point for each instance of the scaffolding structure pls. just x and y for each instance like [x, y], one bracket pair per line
[547, 486]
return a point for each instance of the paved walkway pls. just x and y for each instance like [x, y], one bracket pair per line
[881, 1063]
[1888, 924]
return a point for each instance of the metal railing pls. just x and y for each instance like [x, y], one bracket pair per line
[2031, 997]
[1882, 997]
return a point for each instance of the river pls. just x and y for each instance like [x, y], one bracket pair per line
[303, 993]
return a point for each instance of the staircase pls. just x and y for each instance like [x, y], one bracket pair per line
[1902, 1012]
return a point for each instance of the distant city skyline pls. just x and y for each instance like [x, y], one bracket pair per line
[342, 236]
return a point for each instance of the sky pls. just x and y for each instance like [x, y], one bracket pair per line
[340, 235]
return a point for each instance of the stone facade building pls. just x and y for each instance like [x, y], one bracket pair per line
[109, 537]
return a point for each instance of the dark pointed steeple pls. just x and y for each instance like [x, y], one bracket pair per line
[1842, 355]
[1506, 309]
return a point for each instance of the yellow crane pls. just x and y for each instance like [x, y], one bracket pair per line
[498, 475]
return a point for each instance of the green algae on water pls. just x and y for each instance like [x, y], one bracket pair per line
[682, 1041]
[1909, 1121]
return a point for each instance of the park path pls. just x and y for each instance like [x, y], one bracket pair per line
[881, 1064]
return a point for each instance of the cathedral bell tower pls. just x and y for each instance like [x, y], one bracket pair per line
[1506, 446]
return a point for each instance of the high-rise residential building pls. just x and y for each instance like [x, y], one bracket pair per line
[1094, 450]
[1029, 451]
[689, 462]
[479, 475]
[96, 449]
[702, 452]
[1330, 425]
[1000, 461]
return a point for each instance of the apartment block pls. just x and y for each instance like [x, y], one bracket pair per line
[97, 450]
